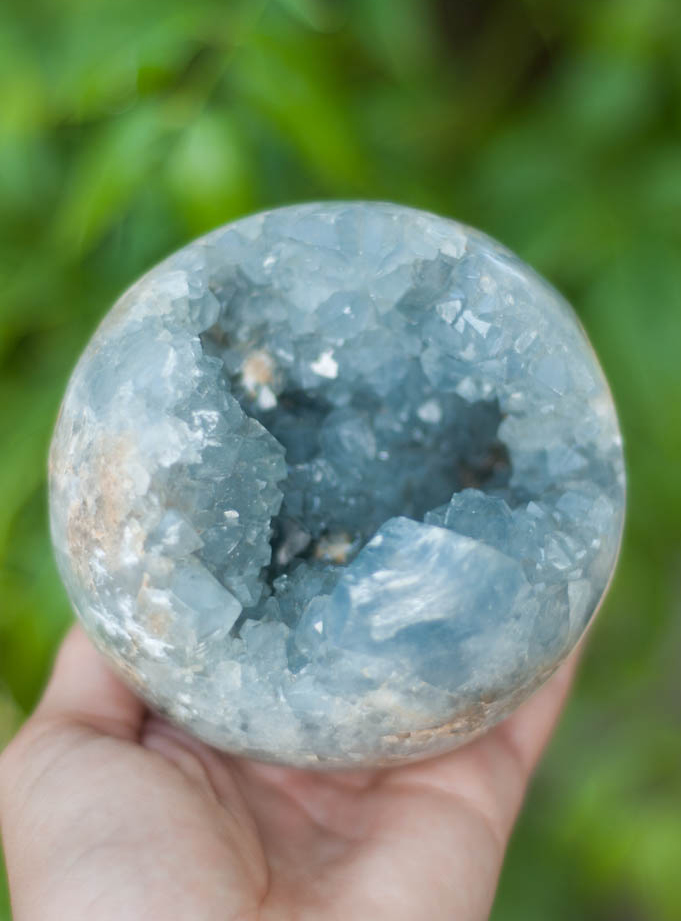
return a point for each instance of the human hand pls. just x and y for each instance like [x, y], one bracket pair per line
[108, 812]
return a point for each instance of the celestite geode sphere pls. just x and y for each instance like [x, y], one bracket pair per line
[337, 484]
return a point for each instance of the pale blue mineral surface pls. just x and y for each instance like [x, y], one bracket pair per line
[337, 484]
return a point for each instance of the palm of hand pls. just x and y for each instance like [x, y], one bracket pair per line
[110, 813]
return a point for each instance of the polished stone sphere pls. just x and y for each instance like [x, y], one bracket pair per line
[337, 484]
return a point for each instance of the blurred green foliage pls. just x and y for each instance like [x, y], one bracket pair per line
[127, 128]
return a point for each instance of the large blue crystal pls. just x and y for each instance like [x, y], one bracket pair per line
[337, 484]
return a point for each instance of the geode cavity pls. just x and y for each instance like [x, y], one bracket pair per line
[337, 484]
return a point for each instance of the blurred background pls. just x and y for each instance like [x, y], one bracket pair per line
[128, 127]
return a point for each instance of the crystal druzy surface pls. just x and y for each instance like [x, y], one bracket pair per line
[337, 484]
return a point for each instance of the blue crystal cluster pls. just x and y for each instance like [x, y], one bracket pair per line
[337, 484]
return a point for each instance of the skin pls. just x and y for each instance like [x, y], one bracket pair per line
[108, 812]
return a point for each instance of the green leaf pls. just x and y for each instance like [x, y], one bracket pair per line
[112, 168]
[209, 171]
